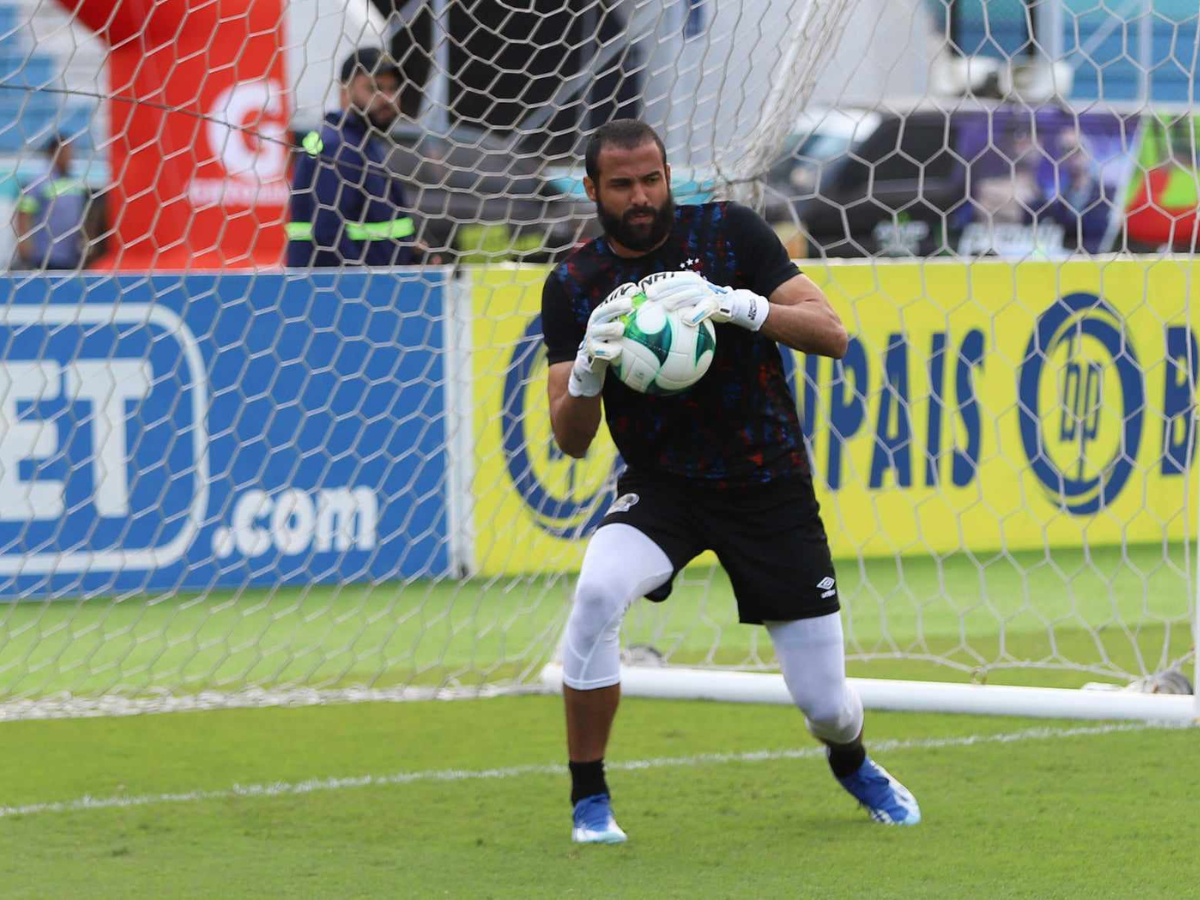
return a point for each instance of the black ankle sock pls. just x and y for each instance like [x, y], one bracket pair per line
[587, 780]
[846, 759]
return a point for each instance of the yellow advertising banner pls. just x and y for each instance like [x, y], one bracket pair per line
[532, 504]
[985, 406]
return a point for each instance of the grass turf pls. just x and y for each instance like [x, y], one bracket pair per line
[1087, 816]
[1090, 815]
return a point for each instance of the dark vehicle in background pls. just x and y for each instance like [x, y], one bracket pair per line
[819, 140]
[975, 181]
[483, 198]
[887, 192]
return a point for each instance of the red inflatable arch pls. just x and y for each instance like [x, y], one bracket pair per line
[188, 192]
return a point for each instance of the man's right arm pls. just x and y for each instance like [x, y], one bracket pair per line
[579, 358]
[574, 420]
[27, 207]
[338, 199]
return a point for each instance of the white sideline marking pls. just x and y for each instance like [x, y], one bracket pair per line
[68, 707]
[290, 789]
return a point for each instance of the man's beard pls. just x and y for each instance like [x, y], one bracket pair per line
[644, 235]
[382, 121]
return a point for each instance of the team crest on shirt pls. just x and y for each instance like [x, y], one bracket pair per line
[691, 264]
[623, 504]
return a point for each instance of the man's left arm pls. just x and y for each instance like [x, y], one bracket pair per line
[798, 314]
[801, 317]
[778, 300]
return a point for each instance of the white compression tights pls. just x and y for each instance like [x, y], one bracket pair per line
[622, 564]
[812, 656]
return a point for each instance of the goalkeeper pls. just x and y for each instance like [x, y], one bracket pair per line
[721, 466]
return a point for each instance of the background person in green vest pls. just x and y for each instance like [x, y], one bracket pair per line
[52, 214]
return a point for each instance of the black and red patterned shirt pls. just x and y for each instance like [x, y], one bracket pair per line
[738, 423]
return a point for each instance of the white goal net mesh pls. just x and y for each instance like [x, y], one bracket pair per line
[228, 477]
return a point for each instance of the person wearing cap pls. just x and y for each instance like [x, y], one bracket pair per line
[52, 213]
[347, 208]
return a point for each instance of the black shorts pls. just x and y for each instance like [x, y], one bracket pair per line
[768, 538]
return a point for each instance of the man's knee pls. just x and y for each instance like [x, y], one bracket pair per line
[836, 717]
[591, 656]
[599, 604]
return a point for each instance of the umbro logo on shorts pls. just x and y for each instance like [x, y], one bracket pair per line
[825, 585]
[623, 503]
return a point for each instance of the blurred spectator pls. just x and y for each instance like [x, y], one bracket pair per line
[1078, 197]
[1013, 195]
[347, 208]
[52, 215]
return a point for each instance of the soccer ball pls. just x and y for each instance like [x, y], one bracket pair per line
[660, 354]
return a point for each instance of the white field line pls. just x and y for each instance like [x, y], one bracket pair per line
[291, 789]
[68, 707]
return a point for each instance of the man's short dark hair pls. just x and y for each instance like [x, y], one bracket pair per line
[370, 61]
[624, 134]
[53, 143]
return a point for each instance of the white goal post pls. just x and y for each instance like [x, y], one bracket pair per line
[681, 683]
[224, 481]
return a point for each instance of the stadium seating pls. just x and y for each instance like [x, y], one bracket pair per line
[1105, 57]
[28, 115]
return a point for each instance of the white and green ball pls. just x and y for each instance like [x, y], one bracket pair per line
[660, 354]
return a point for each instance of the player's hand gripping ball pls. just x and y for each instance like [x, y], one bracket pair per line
[660, 352]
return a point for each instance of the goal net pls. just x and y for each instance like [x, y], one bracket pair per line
[228, 481]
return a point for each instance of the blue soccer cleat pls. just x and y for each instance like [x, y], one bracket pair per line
[594, 822]
[886, 799]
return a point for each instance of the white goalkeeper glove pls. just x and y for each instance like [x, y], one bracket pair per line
[675, 290]
[734, 305]
[601, 343]
[699, 299]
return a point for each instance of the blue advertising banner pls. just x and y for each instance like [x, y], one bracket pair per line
[193, 431]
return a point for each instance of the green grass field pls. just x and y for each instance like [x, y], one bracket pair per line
[468, 799]
[1115, 611]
